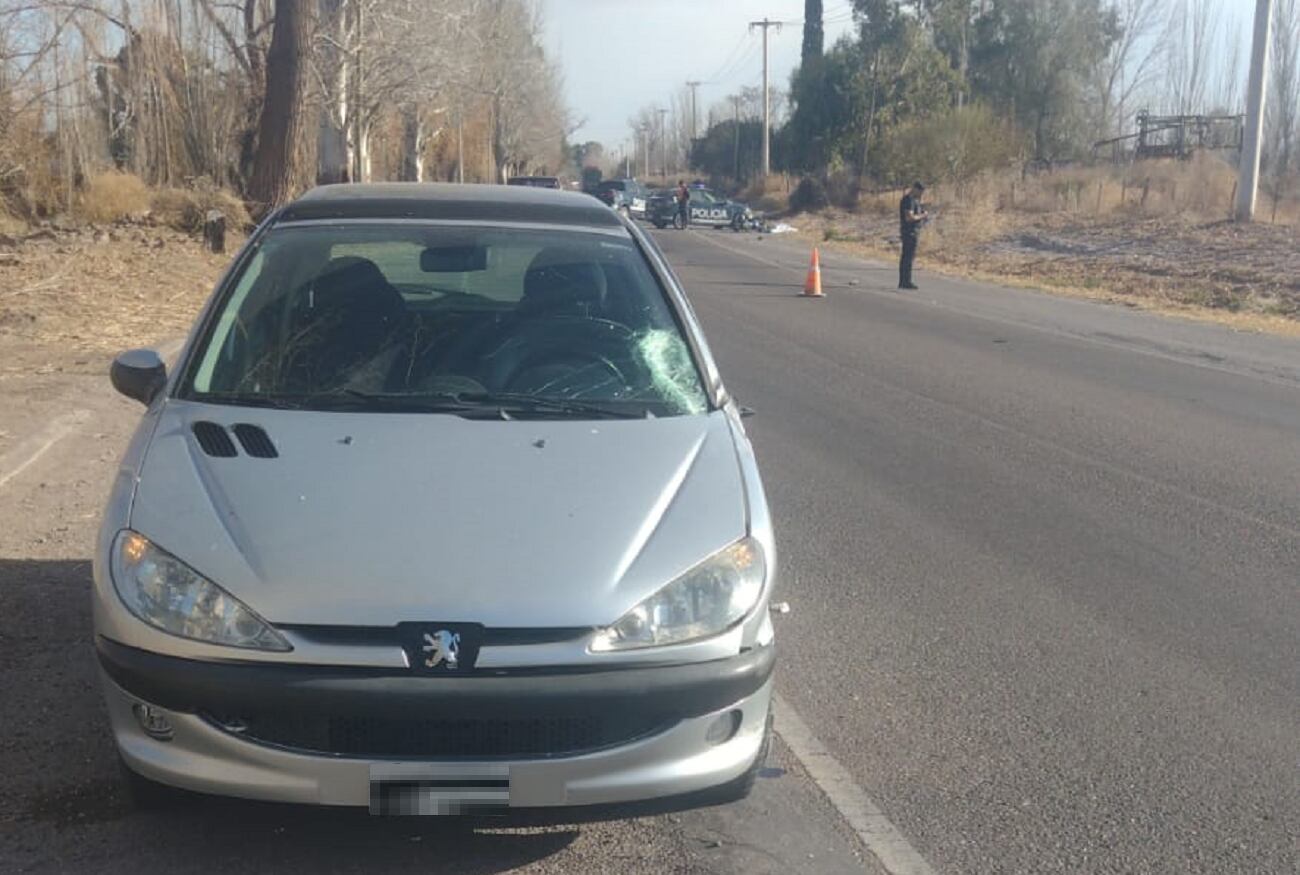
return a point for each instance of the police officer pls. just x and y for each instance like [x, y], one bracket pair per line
[683, 202]
[911, 216]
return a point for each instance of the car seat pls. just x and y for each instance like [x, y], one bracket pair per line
[346, 317]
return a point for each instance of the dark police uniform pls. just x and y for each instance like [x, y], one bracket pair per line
[910, 233]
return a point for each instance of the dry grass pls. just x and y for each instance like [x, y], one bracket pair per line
[185, 209]
[771, 195]
[11, 226]
[85, 294]
[111, 196]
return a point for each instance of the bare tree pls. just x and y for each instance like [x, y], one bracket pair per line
[1232, 72]
[1284, 103]
[1188, 46]
[1131, 63]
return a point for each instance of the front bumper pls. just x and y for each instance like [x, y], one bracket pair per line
[677, 758]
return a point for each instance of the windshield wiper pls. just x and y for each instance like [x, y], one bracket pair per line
[403, 402]
[517, 402]
[240, 399]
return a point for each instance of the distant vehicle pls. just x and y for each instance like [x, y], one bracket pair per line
[534, 181]
[707, 208]
[626, 195]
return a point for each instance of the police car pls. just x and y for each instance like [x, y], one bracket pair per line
[707, 208]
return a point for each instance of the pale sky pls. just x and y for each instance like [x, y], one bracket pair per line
[621, 55]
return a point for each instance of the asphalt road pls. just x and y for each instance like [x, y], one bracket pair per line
[1043, 557]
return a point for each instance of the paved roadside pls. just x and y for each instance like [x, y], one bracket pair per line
[1042, 556]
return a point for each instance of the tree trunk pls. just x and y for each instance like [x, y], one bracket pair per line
[280, 131]
[333, 157]
[412, 145]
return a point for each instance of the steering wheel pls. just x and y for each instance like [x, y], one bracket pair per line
[551, 367]
[553, 347]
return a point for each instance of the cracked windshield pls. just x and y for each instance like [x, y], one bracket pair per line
[401, 316]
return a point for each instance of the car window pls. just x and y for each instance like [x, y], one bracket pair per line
[703, 197]
[324, 314]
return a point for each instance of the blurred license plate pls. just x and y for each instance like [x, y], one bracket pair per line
[424, 788]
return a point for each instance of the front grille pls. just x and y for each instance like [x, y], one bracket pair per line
[437, 738]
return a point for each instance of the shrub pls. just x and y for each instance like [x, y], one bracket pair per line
[111, 196]
[956, 147]
[808, 195]
[186, 209]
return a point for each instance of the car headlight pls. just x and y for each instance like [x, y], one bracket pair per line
[710, 598]
[166, 593]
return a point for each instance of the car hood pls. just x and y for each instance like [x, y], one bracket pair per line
[374, 519]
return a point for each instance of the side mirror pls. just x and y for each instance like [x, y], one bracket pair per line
[138, 374]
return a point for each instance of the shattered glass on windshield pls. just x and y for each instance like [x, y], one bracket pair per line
[396, 315]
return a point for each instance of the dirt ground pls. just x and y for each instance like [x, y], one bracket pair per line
[70, 297]
[1248, 275]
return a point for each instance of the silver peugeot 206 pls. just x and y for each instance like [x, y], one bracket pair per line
[443, 505]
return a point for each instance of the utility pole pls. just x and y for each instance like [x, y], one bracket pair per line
[663, 141]
[645, 150]
[766, 24]
[1253, 135]
[693, 86]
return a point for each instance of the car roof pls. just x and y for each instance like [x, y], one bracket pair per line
[442, 200]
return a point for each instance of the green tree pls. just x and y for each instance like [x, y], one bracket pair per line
[1031, 59]
[813, 32]
[732, 150]
[955, 146]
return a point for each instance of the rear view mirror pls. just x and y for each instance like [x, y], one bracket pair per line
[453, 259]
[138, 374]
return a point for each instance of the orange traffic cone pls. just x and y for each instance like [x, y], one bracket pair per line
[812, 287]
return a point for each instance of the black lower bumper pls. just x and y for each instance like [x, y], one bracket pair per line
[675, 691]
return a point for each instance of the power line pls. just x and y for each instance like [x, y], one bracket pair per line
[736, 50]
[741, 63]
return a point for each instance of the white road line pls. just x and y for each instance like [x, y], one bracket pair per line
[881, 837]
[30, 450]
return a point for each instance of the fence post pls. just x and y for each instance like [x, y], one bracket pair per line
[1232, 201]
[214, 231]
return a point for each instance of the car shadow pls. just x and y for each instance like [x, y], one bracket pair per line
[63, 804]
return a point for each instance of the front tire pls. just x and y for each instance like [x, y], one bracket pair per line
[660, 224]
[144, 794]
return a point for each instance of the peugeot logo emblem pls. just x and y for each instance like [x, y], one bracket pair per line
[442, 647]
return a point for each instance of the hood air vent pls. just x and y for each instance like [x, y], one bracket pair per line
[255, 441]
[214, 440]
